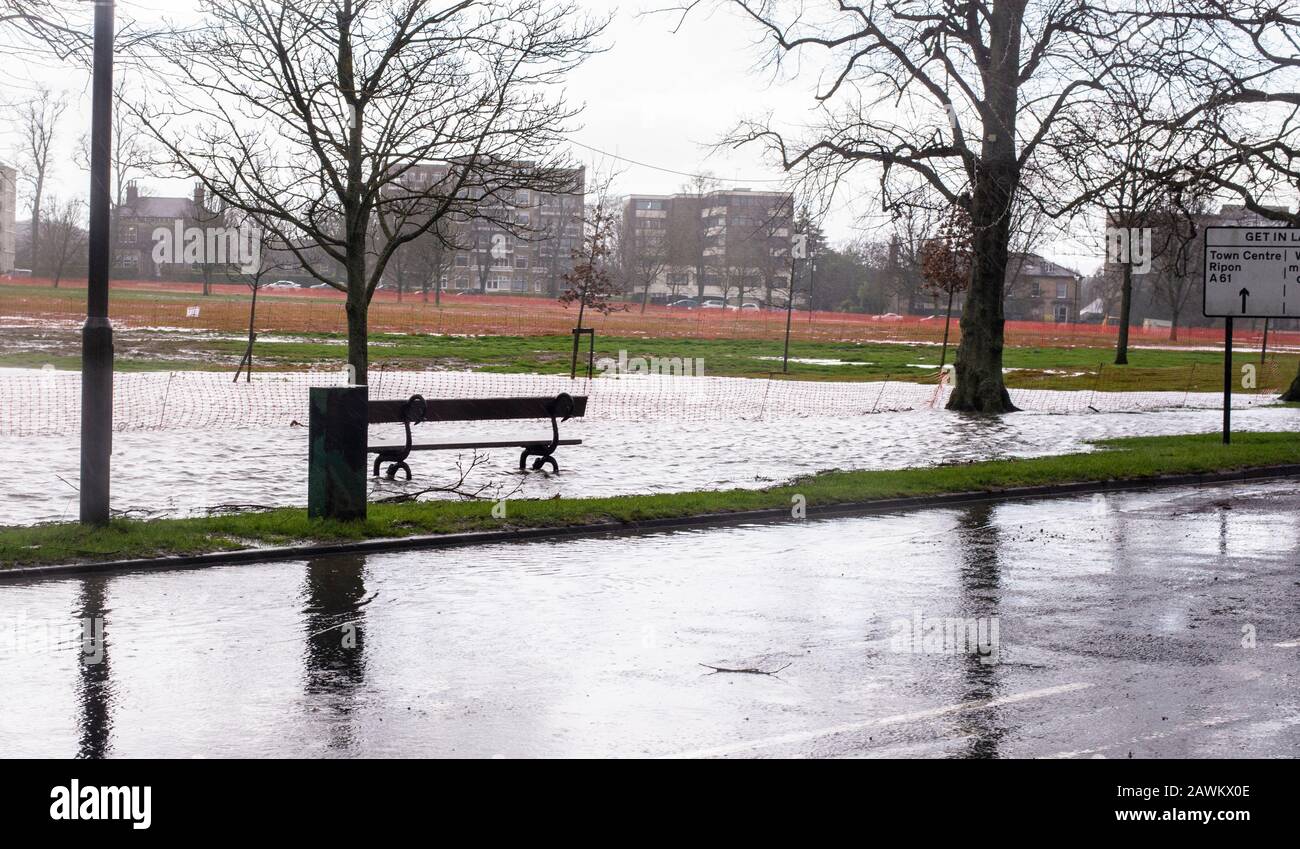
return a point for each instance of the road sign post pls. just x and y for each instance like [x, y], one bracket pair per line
[1250, 272]
[1227, 381]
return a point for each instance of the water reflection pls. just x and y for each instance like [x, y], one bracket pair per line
[335, 661]
[980, 587]
[94, 689]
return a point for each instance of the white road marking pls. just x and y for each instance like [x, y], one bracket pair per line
[1159, 735]
[897, 719]
[1184, 728]
[1289, 644]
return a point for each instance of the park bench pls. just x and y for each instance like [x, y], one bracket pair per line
[418, 409]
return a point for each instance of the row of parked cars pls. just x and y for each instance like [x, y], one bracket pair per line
[711, 304]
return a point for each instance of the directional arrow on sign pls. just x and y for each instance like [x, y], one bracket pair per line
[1245, 293]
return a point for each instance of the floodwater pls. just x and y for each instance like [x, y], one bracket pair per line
[186, 472]
[1159, 624]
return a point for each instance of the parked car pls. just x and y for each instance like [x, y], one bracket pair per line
[684, 304]
[712, 305]
[751, 305]
[281, 284]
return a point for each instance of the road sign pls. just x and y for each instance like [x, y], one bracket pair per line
[1252, 272]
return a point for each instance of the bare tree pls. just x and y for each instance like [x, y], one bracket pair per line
[1123, 157]
[1175, 257]
[271, 258]
[437, 247]
[644, 261]
[946, 266]
[1240, 79]
[590, 282]
[958, 95]
[309, 116]
[130, 155]
[50, 22]
[688, 235]
[38, 121]
[63, 238]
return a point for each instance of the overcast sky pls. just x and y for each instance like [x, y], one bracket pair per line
[659, 100]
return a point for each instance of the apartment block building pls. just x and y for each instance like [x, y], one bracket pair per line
[731, 244]
[8, 217]
[510, 240]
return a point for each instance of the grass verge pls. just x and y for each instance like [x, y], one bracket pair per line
[1130, 459]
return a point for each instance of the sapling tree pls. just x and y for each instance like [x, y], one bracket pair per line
[946, 262]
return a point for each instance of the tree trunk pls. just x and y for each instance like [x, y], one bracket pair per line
[252, 337]
[1173, 327]
[36, 232]
[358, 334]
[980, 387]
[645, 298]
[1125, 311]
[947, 323]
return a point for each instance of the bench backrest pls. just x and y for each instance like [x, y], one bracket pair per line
[475, 409]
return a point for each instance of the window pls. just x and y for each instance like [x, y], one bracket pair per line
[521, 262]
[1037, 290]
[462, 261]
[1062, 290]
[129, 234]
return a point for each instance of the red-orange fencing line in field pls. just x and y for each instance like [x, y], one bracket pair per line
[321, 310]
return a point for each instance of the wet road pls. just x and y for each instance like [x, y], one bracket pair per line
[1145, 624]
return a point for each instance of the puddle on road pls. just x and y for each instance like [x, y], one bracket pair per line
[592, 646]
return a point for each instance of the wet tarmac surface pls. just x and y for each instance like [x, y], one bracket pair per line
[1159, 624]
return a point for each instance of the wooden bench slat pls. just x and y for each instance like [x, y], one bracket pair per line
[474, 409]
[450, 446]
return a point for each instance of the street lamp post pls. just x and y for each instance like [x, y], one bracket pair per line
[97, 333]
